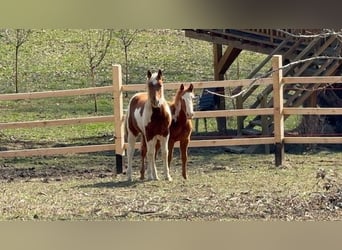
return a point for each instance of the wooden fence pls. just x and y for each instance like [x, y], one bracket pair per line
[118, 111]
[117, 89]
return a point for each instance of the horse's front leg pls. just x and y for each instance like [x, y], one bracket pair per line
[165, 153]
[184, 155]
[151, 163]
[131, 139]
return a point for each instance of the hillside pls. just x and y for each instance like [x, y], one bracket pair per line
[57, 59]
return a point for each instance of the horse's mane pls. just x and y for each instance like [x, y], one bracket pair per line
[176, 99]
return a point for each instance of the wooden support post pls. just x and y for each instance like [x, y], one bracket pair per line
[278, 103]
[119, 123]
[218, 75]
[265, 123]
[222, 62]
[239, 119]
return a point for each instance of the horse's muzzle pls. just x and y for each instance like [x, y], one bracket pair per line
[189, 115]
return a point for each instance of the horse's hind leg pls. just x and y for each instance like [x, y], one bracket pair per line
[184, 155]
[143, 157]
[130, 152]
[170, 154]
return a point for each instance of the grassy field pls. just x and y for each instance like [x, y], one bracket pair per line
[222, 185]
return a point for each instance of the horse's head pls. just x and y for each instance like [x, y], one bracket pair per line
[155, 88]
[187, 100]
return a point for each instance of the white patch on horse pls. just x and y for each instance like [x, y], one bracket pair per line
[138, 118]
[188, 98]
[147, 114]
[153, 78]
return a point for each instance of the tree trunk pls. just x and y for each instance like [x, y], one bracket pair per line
[126, 68]
[16, 69]
[92, 70]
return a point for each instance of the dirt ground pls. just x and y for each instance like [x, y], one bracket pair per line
[222, 186]
[10, 173]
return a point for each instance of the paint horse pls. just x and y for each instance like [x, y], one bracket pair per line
[181, 127]
[149, 115]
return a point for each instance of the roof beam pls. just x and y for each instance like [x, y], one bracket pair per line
[236, 43]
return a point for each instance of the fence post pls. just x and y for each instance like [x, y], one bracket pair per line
[239, 119]
[118, 117]
[264, 122]
[278, 103]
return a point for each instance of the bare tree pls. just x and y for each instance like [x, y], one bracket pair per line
[17, 37]
[96, 43]
[126, 37]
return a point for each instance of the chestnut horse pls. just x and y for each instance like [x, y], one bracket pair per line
[149, 115]
[181, 127]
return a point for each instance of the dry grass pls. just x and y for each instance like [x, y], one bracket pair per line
[222, 186]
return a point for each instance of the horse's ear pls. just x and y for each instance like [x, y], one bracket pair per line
[191, 87]
[160, 75]
[149, 74]
[181, 88]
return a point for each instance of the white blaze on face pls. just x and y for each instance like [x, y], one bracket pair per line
[156, 100]
[188, 98]
[153, 78]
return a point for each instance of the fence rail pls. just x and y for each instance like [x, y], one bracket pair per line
[117, 89]
[56, 93]
[57, 151]
[57, 122]
[60, 122]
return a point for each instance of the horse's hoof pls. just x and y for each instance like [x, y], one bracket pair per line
[129, 175]
[168, 178]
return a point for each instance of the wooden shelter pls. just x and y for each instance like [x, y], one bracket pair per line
[293, 45]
